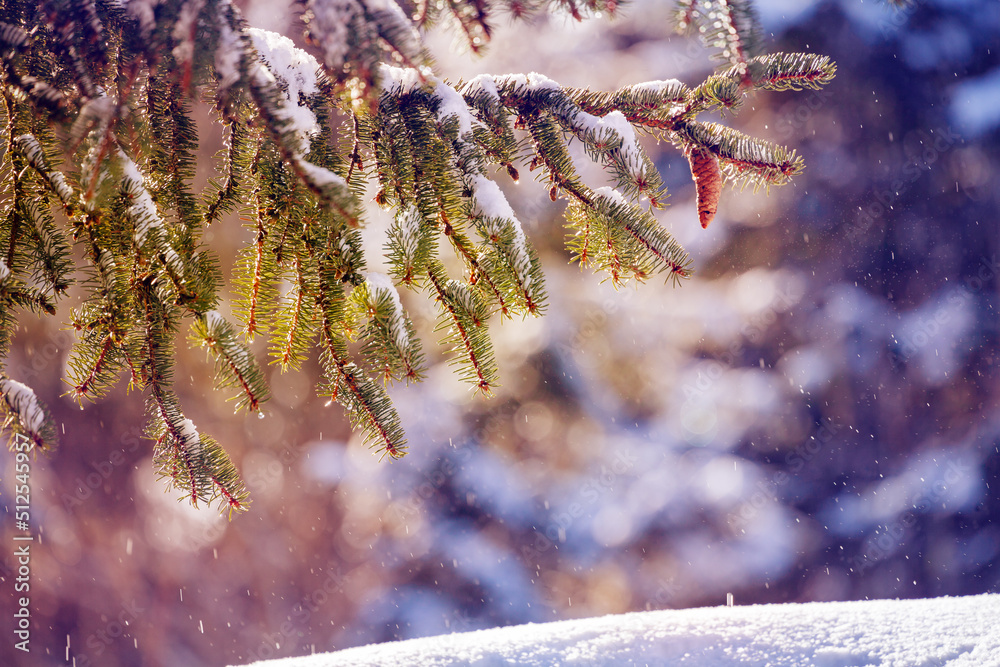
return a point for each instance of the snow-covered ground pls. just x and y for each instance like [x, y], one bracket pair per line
[939, 632]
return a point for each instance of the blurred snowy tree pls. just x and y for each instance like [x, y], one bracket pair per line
[108, 88]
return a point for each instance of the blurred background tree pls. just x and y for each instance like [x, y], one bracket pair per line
[810, 417]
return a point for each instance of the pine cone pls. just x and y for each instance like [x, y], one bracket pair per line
[708, 181]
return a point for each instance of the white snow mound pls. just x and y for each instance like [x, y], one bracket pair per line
[952, 632]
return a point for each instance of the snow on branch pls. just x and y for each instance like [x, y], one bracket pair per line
[24, 411]
[378, 285]
[36, 158]
[149, 226]
[235, 364]
[295, 70]
[285, 83]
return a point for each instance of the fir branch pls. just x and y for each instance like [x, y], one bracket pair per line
[623, 240]
[295, 322]
[513, 261]
[790, 71]
[189, 461]
[173, 142]
[45, 249]
[743, 159]
[464, 320]
[410, 245]
[282, 116]
[636, 102]
[120, 84]
[367, 404]
[235, 365]
[390, 338]
[95, 364]
[256, 277]
[478, 273]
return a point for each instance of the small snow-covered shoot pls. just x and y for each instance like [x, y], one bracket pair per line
[492, 207]
[150, 229]
[25, 413]
[389, 336]
[36, 158]
[379, 284]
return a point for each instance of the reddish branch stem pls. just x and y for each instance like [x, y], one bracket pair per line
[482, 383]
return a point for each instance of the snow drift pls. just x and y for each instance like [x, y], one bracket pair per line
[952, 632]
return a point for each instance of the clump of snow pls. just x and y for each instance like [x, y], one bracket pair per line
[409, 231]
[613, 195]
[297, 70]
[492, 206]
[958, 632]
[189, 433]
[617, 126]
[403, 80]
[213, 318]
[321, 176]
[490, 200]
[484, 83]
[22, 400]
[400, 80]
[145, 215]
[33, 151]
[379, 283]
[4, 270]
[531, 82]
[453, 104]
[143, 212]
[655, 87]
